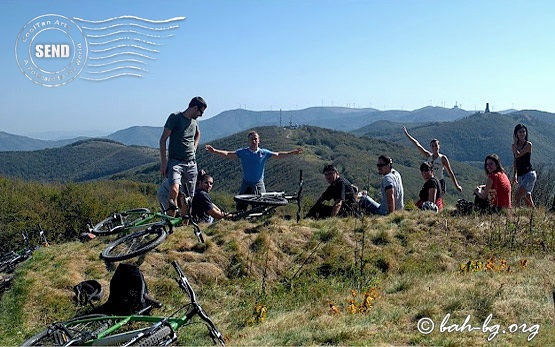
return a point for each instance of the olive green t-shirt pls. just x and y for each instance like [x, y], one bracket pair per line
[182, 138]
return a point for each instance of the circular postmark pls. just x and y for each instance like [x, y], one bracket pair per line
[51, 50]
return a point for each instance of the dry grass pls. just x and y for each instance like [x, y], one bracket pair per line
[296, 270]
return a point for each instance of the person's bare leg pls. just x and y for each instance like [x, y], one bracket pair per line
[172, 199]
[529, 201]
[519, 194]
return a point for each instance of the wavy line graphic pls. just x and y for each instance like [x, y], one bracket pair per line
[109, 77]
[126, 39]
[130, 32]
[130, 39]
[122, 53]
[131, 17]
[123, 46]
[131, 24]
[118, 62]
[118, 68]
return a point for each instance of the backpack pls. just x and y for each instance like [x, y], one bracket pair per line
[86, 292]
[128, 292]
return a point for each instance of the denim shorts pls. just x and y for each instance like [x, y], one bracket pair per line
[183, 173]
[527, 181]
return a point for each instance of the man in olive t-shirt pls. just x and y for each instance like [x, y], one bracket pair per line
[180, 165]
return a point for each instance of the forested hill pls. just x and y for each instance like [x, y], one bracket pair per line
[354, 156]
[471, 138]
[81, 161]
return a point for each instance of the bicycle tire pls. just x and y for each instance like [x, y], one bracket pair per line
[135, 244]
[163, 335]
[254, 199]
[119, 221]
[80, 326]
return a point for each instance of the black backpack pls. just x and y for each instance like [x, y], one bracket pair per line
[128, 292]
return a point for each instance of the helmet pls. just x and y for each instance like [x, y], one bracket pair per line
[87, 291]
[430, 206]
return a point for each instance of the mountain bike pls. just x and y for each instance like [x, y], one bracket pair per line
[265, 203]
[9, 260]
[144, 230]
[139, 330]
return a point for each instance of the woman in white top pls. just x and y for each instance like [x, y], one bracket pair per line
[438, 160]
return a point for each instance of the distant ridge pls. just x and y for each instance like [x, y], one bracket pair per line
[83, 160]
[95, 159]
[471, 138]
[233, 121]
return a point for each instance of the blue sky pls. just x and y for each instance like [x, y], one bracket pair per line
[294, 54]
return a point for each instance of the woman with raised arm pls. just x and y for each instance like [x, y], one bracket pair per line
[523, 173]
[438, 160]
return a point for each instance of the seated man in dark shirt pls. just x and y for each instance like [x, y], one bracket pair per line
[203, 209]
[340, 191]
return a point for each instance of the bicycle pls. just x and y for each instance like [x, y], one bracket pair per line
[9, 260]
[105, 330]
[265, 203]
[144, 230]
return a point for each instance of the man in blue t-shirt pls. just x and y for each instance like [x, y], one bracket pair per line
[253, 159]
[180, 165]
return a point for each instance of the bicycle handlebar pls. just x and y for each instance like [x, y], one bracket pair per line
[197, 309]
[184, 282]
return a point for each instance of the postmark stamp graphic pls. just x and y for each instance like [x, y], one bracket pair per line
[51, 50]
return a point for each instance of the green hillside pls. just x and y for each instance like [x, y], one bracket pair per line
[355, 158]
[471, 138]
[336, 282]
[81, 161]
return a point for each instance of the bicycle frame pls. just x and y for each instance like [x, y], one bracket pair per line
[260, 210]
[153, 219]
[111, 337]
[10, 259]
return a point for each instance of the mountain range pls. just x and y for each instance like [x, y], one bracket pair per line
[354, 156]
[233, 121]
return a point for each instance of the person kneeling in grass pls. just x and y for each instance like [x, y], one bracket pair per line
[204, 210]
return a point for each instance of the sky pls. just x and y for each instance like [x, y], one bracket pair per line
[281, 54]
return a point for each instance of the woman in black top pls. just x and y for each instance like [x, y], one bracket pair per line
[431, 190]
[523, 173]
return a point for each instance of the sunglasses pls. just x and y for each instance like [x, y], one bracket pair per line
[381, 165]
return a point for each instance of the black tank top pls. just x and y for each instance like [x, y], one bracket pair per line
[523, 165]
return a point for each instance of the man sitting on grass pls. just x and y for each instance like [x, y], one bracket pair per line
[204, 210]
[340, 191]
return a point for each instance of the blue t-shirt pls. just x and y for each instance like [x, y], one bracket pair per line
[253, 163]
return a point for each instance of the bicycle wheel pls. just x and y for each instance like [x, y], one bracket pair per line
[118, 221]
[79, 330]
[253, 199]
[135, 244]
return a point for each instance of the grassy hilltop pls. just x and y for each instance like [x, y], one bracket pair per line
[312, 278]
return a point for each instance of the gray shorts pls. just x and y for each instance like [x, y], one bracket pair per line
[528, 181]
[183, 173]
